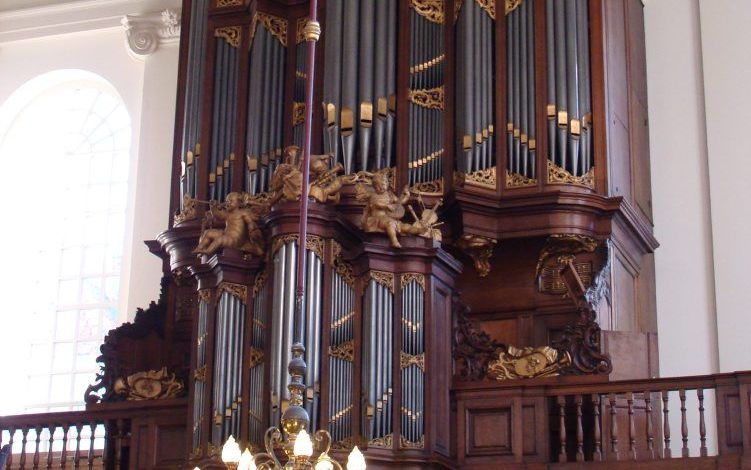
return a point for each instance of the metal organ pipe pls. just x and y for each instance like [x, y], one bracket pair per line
[570, 108]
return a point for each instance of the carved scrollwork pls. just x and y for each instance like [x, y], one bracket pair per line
[342, 268]
[528, 363]
[511, 5]
[344, 351]
[480, 249]
[473, 349]
[313, 243]
[275, 25]
[432, 98]
[515, 180]
[231, 34]
[408, 360]
[298, 113]
[407, 444]
[482, 178]
[228, 3]
[386, 441]
[204, 295]
[416, 277]
[383, 278]
[200, 374]
[429, 188]
[236, 290]
[558, 175]
[260, 282]
[558, 245]
[256, 357]
[150, 385]
[432, 10]
[188, 212]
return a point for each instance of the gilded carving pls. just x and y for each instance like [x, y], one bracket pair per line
[416, 277]
[276, 26]
[528, 363]
[300, 30]
[298, 113]
[480, 249]
[343, 268]
[383, 278]
[430, 188]
[236, 290]
[384, 210]
[556, 175]
[240, 214]
[228, 3]
[188, 212]
[432, 10]
[558, 245]
[256, 357]
[204, 295]
[515, 180]
[200, 374]
[231, 34]
[260, 282]
[313, 243]
[344, 351]
[482, 178]
[345, 444]
[489, 7]
[408, 360]
[432, 98]
[511, 5]
[325, 184]
[385, 441]
[150, 385]
[406, 444]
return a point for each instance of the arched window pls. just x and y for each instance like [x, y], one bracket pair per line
[65, 143]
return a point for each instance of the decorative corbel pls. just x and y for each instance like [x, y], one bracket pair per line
[145, 33]
[480, 249]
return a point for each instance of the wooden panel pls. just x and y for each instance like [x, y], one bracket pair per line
[489, 432]
[733, 428]
[529, 430]
[624, 295]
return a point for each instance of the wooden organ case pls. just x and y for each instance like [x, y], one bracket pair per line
[525, 120]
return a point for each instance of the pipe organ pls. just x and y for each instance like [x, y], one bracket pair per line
[418, 93]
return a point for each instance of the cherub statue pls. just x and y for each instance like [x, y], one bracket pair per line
[240, 214]
[286, 182]
[383, 209]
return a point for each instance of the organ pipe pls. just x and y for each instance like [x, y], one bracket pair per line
[569, 87]
[191, 148]
[341, 358]
[226, 76]
[200, 377]
[264, 129]
[412, 361]
[360, 82]
[256, 367]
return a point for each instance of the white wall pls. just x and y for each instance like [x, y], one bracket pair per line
[699, 71]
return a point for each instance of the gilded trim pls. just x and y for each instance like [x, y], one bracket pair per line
[431, 98]
[298, 113]
[482, 178]
[515, 180]
[409, 277]
[558, 175]
[431, 10]
[232, 34]
[344, 351]
[383, 278]
[408, 360]
[275, 25]
[204, 295]
[429, 188]
[236, 290]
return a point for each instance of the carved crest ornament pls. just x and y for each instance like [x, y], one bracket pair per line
[150, 385]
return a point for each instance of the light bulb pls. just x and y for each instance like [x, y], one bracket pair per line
[324, 462]
[231, 451]
[246, 461]
[303, 445]
[356, 460]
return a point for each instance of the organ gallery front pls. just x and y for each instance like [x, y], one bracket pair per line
[479, 232]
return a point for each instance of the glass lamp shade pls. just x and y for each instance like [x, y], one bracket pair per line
[231, 451]
[356, 460]
[303, 445]
[246, 461]
[324, 462]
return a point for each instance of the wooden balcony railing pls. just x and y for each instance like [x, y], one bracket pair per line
[668, 422]
[102, 437]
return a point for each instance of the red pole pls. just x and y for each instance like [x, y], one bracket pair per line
[312, 32]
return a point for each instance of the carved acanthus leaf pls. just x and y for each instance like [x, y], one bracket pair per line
[432, 10]
[231, 34]
[480, 249]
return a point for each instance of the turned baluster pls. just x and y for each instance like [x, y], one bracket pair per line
[22, 459]
[51, 430]
[119, 444]
[702, 424]
[579, 430]
[650, 428]
[631, 428]
[666, 425]
[562, 426]
[613, 426]
[684, 423]
[598, 434]
[64, 452]
[9, 460]
[38, 435]
[90, 456]
[77, 456]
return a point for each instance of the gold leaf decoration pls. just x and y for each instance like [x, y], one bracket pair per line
[489, 7]
[383, 278]
[256, 357]
[188, 212]
[276, 26]
[260, 282]
[231, 34]
[236, 290]
[407, 360]
[557, 175]
[298, 113]
[228, 3]
[528, 363]
[300, 30]
[431, 10]
[515, 180]
[204, 295]
[416, 277]
[385, 441]
[480, 249]
[404, 443]
[482, 178]
[431, 98]
[314, 243]
[150, 385]
[429, 188]
[511, 5]
[344, 351]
